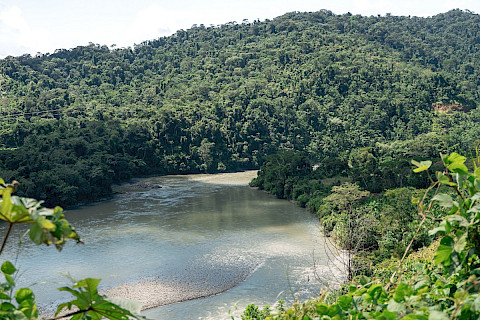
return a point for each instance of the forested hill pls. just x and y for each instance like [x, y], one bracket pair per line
[220, 98]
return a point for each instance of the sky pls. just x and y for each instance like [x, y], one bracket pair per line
[32, 26]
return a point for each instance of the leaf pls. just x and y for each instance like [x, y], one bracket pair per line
[462, 222]
[66, 305]
[8, 268]
[403, 290]
[352, 288]
[421, 166]
[420, 285]
[443, 179]
[436, 230]
[476, 196]
[4, 296]
[460, 243]
[49, 227]
[334, 310]
[24, 294]
[444, 227]
[45, 224]
[89, 284]
[7, 306]
[322, 308]
[445, 200]
[438, 315]
[476, 304]
[345, 302]
[387, 315]
[394, 306]
[415, 317]
[10, 280]
[454, 158]
[134, 307]
[443, 255]
[96, 306]
[363, 280]
[6, 205]
[375, 291]
[116, 312]
[36, 234]
[456, 163]
[447, 241]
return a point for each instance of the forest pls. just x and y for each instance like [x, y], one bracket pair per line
[364, 120]
[376, 89]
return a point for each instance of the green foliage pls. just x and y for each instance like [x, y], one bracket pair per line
[369, 91]
[446, 288]
[252, 312]
[91, 305]
[374, 226]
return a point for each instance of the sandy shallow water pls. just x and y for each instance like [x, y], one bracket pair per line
[187, 247]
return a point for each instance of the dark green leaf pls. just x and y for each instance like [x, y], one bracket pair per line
[403, 290]
[443, 255]
[345, 302]
[322, 308]
[8, 268]
[10, 280]
[387, 315]
[4, 296]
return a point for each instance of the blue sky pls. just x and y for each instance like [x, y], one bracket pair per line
[31, 26]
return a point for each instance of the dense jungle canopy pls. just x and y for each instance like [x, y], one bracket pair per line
[220, 98]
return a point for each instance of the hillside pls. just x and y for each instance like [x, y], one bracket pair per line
[221, 98]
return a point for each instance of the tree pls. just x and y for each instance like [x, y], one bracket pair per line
[352, 226]
[445, 284]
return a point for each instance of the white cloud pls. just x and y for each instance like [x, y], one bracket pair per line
[12, 18]
[150, 23]
[28, 26]
[17, 36]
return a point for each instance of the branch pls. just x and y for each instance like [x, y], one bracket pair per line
[10, 226]
[70, 314]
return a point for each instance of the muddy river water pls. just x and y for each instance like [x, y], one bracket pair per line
[196, 235]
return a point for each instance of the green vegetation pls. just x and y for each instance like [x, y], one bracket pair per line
[442, 284]
[372, 224]
[333, 107]
[212, 99]
[49, 227]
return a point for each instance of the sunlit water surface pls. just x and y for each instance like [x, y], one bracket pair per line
[200, 229]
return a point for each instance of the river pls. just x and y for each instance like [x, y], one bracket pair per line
[204, 234]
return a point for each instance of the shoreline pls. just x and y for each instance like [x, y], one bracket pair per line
[153, 294]
[200, 177]
[136, 179]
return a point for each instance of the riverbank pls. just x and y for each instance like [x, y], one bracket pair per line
[241, 178]
[152, 294]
